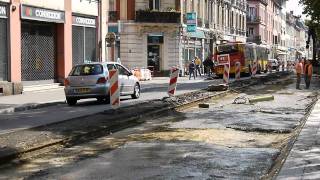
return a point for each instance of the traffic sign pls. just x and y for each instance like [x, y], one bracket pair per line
[223, 59]
[191, 22]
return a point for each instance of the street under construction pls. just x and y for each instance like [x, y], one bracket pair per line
[245, 132]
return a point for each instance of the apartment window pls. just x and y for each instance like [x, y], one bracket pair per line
[250, 32]
[112, 5]
[185, 9]
[198, 7]
[154, 4]
[252, 11]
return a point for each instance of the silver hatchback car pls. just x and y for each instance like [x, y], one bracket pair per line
[91, 81]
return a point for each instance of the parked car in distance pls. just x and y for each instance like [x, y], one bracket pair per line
[90, 80]
[274, 64]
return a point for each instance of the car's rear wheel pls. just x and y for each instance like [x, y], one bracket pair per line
[136, 92]
[71, 101]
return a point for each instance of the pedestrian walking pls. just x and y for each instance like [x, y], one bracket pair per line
[198, 64]
[192, 67]
[299, 72]
[308, 73]
[208, 65]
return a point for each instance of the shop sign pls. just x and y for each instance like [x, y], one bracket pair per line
[3, 12]
[40, 14]
[83, 21]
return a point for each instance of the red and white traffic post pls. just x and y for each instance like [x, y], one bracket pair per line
[173, 81]
[226, 73]
[254, 69]
[224, 60]
[238, 71]
[114, 88]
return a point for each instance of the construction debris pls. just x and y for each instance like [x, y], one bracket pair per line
[204, 105]
[220, 87]
[240, 100]
[261, 98]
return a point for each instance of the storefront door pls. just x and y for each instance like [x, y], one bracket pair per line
[38, 51]
[154, 58]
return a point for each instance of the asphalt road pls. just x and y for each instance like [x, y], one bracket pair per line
[46, 115]
[193, 143]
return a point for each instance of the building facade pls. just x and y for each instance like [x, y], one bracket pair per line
[267, 25]
[296, 37]
[40, 40]
[153, 33]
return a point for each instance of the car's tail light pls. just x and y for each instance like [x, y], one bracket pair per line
[66, 82]
[102, 80]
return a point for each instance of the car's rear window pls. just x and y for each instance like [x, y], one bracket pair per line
[87, 70]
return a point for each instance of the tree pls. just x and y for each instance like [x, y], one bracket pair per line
[311, 9]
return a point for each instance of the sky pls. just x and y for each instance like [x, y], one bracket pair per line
[293, 5]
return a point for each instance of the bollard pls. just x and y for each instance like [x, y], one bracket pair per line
[173, 81]
[226, 73]
[238, 71]
[114, 89]
[254, 69]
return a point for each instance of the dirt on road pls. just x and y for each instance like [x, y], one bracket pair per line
[224, 141]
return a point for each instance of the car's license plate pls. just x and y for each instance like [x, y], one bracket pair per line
[82, 90]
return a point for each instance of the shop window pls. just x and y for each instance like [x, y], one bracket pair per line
[3, 50]
[83, 45]
[90, 44]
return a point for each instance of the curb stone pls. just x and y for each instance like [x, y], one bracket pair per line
[25, 107]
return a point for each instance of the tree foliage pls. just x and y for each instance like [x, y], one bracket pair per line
[311, 8]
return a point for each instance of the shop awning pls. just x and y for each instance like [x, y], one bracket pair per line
[198, 34]
[280, 52]
[300, 52]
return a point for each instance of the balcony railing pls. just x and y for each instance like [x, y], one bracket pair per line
[254, 19]
[157, 17]
[265, 2]
[113, 16]
[254, 39]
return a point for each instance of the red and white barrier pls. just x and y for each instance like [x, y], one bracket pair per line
[254, 68]
[238, 70]
[226, 73]
[114, 89]
[173, 81]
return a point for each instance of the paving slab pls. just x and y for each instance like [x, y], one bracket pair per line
[303, 161]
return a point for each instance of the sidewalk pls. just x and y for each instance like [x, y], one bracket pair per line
[303, 161]
[42, 98]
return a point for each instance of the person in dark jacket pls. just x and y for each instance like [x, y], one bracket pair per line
[192, 67]
[208, 65]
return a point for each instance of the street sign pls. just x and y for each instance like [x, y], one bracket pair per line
[191, 22]
[110, 37]
[191, 28]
